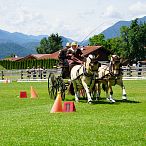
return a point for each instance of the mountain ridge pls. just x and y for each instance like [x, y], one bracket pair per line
[114, 30]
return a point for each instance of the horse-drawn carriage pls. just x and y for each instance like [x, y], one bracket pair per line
[89, 76]
[60, 82]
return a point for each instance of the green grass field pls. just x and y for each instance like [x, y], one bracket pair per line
[28, 122]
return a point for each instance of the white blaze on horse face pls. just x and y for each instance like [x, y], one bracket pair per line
[114, 57]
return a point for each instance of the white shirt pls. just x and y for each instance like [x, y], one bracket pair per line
[71, 49]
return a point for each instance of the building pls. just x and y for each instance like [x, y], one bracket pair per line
[99, 51]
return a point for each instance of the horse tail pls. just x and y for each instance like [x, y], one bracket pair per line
[71, 89]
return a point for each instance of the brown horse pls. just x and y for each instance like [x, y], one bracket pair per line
[110, 75]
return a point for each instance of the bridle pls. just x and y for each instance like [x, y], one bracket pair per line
[112, 67]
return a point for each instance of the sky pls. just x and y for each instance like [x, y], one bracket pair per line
[75, 19]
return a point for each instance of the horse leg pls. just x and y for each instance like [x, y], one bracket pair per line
[124, 95]
[76, 91]
[109, 97]
[87, 91]
[111, 94]
[98, 90]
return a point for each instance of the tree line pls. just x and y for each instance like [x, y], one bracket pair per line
[47, 63]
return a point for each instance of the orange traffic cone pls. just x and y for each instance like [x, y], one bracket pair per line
[57, 107]
[33, 93]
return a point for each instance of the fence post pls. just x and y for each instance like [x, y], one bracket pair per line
[21, 74]
[2, 75]
[139, 71]
[128, 71]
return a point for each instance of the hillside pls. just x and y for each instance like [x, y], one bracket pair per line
[6, 49]
[20, 44]
[114, 30]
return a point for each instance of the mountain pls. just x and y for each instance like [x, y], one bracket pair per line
[65, 40]
[114, 31]
[20, 44]
[6, 49]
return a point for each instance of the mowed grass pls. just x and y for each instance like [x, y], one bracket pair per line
[28, 122]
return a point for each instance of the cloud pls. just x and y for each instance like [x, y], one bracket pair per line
[87, 14]
[34, 17]
[138, 9]
[112, 12]
[22, 19]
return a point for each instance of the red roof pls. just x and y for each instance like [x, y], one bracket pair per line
[86, 50]
[89, 49]
[54, 55]
[35, 56]
[13, 58]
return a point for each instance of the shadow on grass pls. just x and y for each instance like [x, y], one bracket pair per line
[103, 101]
[128, 101]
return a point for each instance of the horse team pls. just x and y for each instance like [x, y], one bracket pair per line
[92, 74]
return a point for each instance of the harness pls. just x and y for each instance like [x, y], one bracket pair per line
[110, 74]
[85, 73]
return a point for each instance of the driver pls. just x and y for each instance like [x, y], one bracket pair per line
[74, 55]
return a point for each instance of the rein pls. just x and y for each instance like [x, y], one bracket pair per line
[110, 73]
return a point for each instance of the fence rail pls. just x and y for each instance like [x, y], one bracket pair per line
[15, 75]
[133, 71]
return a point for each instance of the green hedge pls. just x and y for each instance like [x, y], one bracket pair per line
[28, 63]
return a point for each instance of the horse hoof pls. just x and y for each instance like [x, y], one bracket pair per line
[90, 102]
[124, 98]
[111, 100]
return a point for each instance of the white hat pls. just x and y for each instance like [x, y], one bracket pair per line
[74, 44]
[68, 44]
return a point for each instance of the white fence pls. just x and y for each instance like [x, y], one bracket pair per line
[133, 71]
[129, 72]
[15, 75]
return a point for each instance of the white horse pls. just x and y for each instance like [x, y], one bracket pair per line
[110, 75]
[83, 76]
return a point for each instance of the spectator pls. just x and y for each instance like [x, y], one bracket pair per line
[44, 72]
[33, 71]
[28, 73]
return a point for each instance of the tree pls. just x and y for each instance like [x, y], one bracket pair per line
[115, 46]
[98, 40]
[50, 45]
[134, 40]
[130, 45]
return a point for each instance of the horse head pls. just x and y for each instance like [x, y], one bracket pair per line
[92, 63]
[115, 65]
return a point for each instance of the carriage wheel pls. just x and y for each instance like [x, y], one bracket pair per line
[52, 89]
